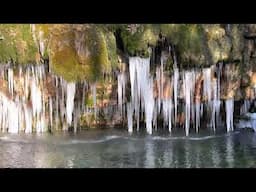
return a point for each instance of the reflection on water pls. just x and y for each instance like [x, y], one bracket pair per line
[118, 149]
[215, 155]
[187, 154]
[150, 161]
[229, 148]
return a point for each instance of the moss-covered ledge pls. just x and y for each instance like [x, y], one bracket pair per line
[17, 44]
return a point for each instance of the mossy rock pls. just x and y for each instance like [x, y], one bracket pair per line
[17, 44]
[78, 52]
[110, 41]
[42, 35]
[219, 44]
[89, 101]
[136, 39]
[237, 42]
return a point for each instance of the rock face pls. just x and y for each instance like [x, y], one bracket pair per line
[89, 45]
[78, 52]
[97, 53]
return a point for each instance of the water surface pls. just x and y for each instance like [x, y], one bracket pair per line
[118, 149]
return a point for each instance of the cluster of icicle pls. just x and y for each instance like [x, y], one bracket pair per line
[164, 96]
[27, 106]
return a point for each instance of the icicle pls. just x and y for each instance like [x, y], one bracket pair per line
[129, 117]
[94, 92]
[28, 119]
[162, 76]
[245, 107]
[229, 114]
[167, 112]
[36, 98]
[56, 106]
[155, 118]
[158, 80]
[50, 112]
[71, 90]
[142, 90]
[83, 97]
[175, 90]
[41, 43]
[188, 94]
[192, 109]
[10, 80]
[198, 115]
[207, 83]
[121, 91]
[13, 124]
[149, 105]
[215, 105]
[132, 70]
[76, 116]
[63, 111]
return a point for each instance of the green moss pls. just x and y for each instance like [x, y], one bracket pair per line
[111, 50]
[188, 41]
[89, 101]
[219, 44]
[79, 52]
[65, 64]
[237, 42]
[45, 29]
[17, 44]
[136, 40]
[98, 59]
